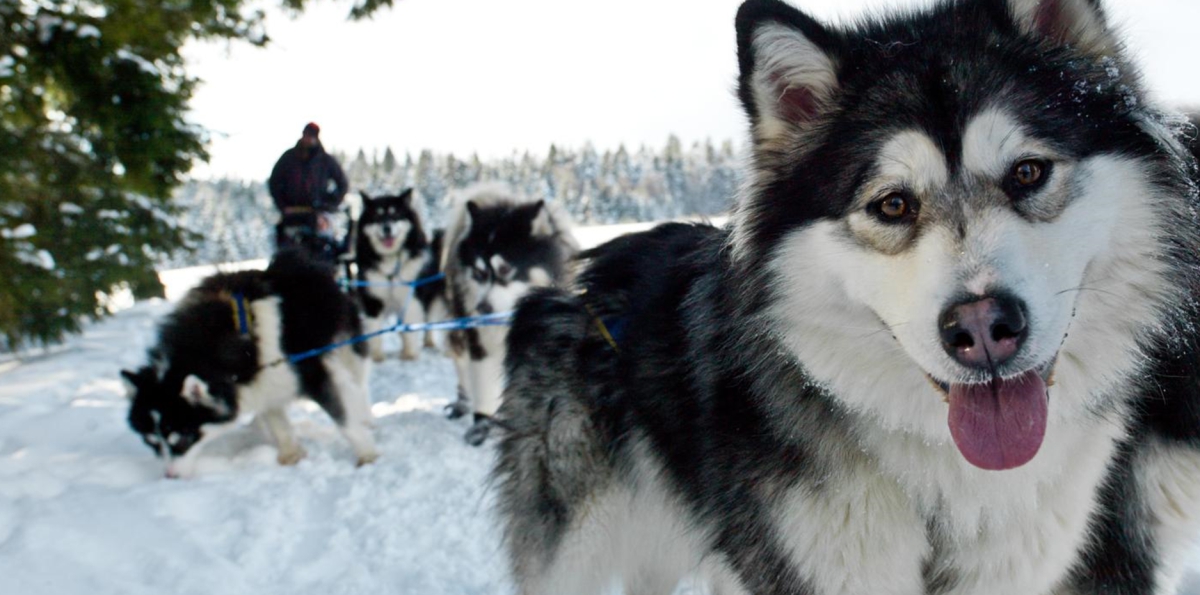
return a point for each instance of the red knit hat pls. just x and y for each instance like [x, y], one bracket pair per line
[311, 129]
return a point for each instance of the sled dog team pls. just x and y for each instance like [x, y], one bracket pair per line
[947, 344]
[224, 351]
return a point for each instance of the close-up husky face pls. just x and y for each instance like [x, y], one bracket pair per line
[173, 412]
[503, 254]
[956, 213]
[390, 222]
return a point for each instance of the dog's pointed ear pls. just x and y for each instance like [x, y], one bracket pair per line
[540, 223]
[129, 378]
[407, 196]
[195, 391]
[366, 197]
[1076, 23]
[788, 65]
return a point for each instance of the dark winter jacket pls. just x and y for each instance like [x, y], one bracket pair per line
[298, 181]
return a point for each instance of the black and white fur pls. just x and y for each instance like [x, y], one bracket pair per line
[391, 250]
[204, 373]
[501, 248]
[775, 418]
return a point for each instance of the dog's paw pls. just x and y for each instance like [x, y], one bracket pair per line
[408, 356]
[478, 433]
[367, 459]
[290, 457]
[378, 357]
[457, 409]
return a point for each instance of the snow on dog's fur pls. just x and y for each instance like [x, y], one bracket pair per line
[498, 248]
[391, 251]
[946, 345]
[205, 371]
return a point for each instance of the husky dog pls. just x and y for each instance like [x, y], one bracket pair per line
[390, 252]
[222, 353]
[500, 249]
[947, 345]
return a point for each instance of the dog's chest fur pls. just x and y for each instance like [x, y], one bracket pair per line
[916, 518]
[386, 280]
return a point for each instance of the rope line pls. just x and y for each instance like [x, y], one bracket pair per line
[414, 283]
[457, 324]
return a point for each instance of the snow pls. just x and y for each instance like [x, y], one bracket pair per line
[46, 24]
[143, 64]
[21, 232]
[41, 259]
[84, 507]
[88, 31]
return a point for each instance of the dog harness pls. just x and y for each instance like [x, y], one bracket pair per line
[241, 314]
[615, 324]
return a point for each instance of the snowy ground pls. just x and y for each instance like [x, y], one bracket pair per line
[84, 507]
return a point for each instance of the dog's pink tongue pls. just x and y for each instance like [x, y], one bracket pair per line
[999, 425]
[387, 242]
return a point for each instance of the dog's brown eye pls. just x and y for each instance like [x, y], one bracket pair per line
[1029, 172]
[896, 207]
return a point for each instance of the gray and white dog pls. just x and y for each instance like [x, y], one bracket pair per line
[947, 344]
[391, 252]
[498, 248]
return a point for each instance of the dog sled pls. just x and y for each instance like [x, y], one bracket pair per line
[313, 231]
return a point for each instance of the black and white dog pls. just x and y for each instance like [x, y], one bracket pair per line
[222, 353]
[392, 251]
[501, 248]
[947, 345]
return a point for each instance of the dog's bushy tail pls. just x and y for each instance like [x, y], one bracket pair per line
[551, 447]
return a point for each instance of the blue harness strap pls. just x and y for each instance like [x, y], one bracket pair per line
[241, 315]
[610, 328]
[615, 326]
[411, 285]
[498, 319]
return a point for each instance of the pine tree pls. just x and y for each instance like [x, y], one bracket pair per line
[360, 173]
[676, 177]
[430, 183]
[389, 161]
[93, 139]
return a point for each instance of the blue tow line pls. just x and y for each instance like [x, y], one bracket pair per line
[415, 283]
[411, 285]
[457, 324]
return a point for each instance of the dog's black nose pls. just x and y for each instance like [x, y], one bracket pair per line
[486, 308]
[984, 333]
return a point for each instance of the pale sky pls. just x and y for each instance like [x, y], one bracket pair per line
[494, 76]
